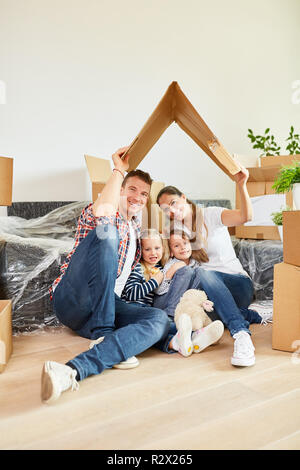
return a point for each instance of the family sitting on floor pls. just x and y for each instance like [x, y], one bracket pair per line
[120, 288]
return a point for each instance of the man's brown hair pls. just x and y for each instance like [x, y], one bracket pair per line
[142, 175]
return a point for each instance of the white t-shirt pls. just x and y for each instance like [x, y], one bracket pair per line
[121, 280]
[219, 248]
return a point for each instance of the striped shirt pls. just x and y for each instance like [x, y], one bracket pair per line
[87, 222]
[137, 289]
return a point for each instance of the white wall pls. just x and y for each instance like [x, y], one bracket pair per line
[83, 77]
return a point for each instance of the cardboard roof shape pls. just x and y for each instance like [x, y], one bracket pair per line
[175, 107]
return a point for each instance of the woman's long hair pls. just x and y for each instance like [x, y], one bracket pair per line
[198, 223]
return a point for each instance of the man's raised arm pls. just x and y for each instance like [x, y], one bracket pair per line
[108, 201]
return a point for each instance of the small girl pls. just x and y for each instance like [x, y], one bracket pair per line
[148, 277]
[147, 274]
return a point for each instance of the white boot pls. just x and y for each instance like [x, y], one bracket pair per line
[243, 353]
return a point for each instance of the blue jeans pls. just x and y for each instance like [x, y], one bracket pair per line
[181, 282]
[85, 301]
[232, 295]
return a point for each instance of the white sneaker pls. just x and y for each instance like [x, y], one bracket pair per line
[184, 334]
[243, 353]
[207, 336]
[264, 310]
[96, 341]
[130, 363]
[57, 378]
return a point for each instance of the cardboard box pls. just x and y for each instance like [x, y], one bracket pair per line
[155, 215]
[259, 184]
[5, 333]
[175, 107]
[291, 237]
[278, 160]
[286, 307]
[6, 180]
[99, 171]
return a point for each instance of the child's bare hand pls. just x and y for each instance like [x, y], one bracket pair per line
[158, 277]
[170, 273]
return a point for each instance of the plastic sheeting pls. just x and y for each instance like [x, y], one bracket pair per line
[31, 252]
[258, 258]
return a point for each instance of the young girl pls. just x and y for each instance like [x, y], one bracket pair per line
[148, 276]
[221, 274]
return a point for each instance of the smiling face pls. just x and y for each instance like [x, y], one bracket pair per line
[152, 250]
[180, 247]
[176, 207]
[133, 197]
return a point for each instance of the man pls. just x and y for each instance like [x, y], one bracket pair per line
[86, 296]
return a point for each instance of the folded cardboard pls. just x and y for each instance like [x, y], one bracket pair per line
[291, 237]
[280, 160]
[260, 183]
[5, 333]
[175, 107]
[286, 307]
[6, 179]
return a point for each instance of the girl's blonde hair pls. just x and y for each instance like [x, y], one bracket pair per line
[153, 233]
[198, 223]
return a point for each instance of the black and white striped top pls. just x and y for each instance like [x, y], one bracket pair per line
[137, 289]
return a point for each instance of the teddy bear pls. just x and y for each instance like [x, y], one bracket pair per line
[195, 304]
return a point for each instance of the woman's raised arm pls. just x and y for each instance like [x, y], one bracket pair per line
[234, 217]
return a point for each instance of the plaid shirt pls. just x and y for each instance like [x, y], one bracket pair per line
[86, 222]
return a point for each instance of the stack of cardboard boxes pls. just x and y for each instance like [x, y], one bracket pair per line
[260, 182]
[286, 310]
[6, 178]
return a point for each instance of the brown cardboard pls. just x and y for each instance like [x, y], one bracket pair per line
[260, 182]
[154, 213]
[5, 333]
[6, 179]
[291, 237]
[99, 170]
[175, 107]
[286, 307]
[278, 160]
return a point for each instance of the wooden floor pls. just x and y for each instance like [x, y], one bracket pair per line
[168, 402]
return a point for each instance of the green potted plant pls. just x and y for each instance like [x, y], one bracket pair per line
[289, 178]
[266, 143]
[277, 219]
[270, 150]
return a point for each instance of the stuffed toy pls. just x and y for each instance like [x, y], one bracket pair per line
[195, 304]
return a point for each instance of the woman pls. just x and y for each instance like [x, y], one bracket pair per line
[220, 274]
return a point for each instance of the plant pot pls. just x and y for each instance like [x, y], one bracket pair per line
[296, 195]
[280, 230]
